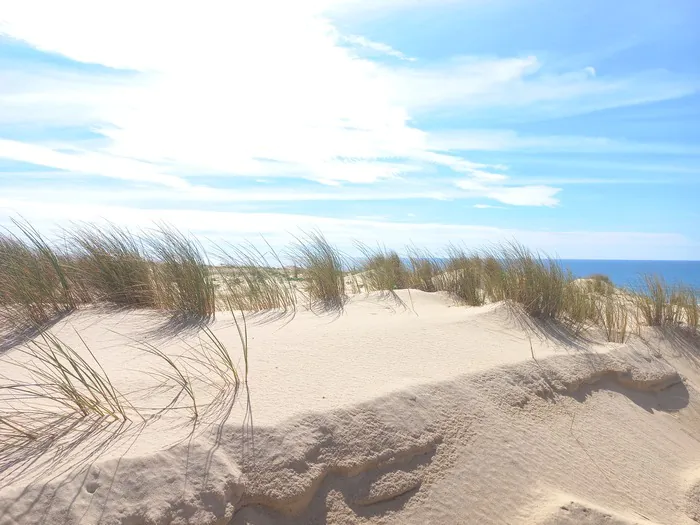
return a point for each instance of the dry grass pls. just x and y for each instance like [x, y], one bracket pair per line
[62, 401]
[61, 376]
[182, 273]
[323, 267]
[383, 269]
[166, 269]
[34, 287]
[252, 283]
[112, 266]
[691, 307]
[600, 284]
[613, 317]
[540, 284]
[422, 270]
[654, 302]
[463, 276]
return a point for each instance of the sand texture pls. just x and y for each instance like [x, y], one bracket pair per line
[411, 412]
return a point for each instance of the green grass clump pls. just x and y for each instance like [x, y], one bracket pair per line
[600, 283]
[34, 286]
[322, 265]
[580, 306]
[539, 284]
[613, 316]
[690, 306]
[659, 304]
[252, 284]
[422, 270]
[111, 264]
[654, 302]
[183, 279]
[463, 276]
[383, 269]
[682, 308]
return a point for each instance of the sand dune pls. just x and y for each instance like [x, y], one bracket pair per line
[403, 410]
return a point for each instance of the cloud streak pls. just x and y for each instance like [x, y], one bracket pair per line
[235, 226]
[246, 94]
[376, 46]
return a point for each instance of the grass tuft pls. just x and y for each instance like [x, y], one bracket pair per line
[383, 269]
[463, 276]
[539, 284]
[252, 284]
[183, 279]
[423, 270]
[653, 301]
[34, 286]
[112, 265]
[323, 268]
[613, 316]
[600, 283]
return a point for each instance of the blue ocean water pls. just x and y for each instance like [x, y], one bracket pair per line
[629, 273]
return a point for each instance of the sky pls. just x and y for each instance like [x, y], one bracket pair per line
[572, 127]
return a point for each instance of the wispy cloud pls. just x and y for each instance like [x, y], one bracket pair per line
[508, 140]
[534, 195]
[236, 226]
[247, 94]
[526, 89]
[377, 46]
[487, 206]
[220, 112]
[86, 162]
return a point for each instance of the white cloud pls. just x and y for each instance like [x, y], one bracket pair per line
[88, 163]
[525, 195]
[535, 195]
[508, 140]
[377, 46]
[268, 89]
[487, 206]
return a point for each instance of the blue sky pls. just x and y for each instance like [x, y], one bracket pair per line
[571, 126]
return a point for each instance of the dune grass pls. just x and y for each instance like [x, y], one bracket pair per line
[613, 317]
[463, 276]
[174, 376]
[383, 269]
[539, 284]
[323, 267]
[600, 283]
[168, 270]
[690, 305]
[34, 287]
[60, 375]
[653, 301]
[59, 388]
[183, 277]
[422, 269]
[112, 265]
[252, 283]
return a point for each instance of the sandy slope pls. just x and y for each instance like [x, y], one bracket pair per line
[428, 413]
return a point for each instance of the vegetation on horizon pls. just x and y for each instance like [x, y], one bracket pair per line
[166, 269]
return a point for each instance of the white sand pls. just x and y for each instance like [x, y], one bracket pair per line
[433, 413]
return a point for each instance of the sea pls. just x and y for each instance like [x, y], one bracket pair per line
[629, 273]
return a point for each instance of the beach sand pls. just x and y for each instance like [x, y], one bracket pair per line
[399, 410]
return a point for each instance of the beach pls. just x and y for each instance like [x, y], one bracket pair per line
[401, 408]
